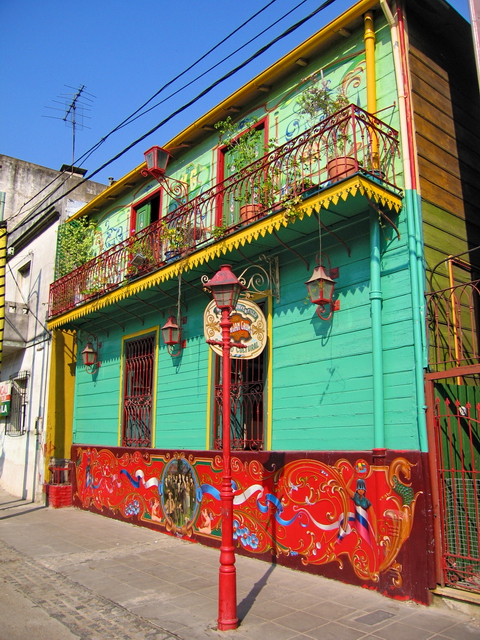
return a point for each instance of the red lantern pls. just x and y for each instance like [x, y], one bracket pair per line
[225, 288]
[156, 159]
[89, 355]
[171, 332]
[320, 287]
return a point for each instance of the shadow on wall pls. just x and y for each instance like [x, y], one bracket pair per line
[2, 454]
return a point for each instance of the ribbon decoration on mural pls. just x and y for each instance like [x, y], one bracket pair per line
[321, 513]
[249, 328]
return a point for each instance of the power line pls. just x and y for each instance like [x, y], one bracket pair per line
[136, 113]
[131, 117]
[229, 74]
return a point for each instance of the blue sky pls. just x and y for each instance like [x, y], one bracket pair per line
[123, 52]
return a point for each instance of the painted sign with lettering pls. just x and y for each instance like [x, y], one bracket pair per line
[5, 397]
[249, 328]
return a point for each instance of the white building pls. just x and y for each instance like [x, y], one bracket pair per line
[33, 201]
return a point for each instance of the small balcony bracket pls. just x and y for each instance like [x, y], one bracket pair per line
[261, 282]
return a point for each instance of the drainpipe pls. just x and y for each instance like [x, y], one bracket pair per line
[3, 262]
[413, 213]
[376, 297]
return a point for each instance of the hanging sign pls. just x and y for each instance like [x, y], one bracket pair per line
[5, 397]
[249, 327]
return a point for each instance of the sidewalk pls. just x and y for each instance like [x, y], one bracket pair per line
[69, 574]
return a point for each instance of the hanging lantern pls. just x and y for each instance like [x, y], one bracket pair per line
[320, 290]
[156, 159]
[225, 288]
[89, 355]
[320, 287]
[171, 332]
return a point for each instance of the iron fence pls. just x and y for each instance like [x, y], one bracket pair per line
[346, 143]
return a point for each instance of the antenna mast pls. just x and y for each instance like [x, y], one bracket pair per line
[74, 109]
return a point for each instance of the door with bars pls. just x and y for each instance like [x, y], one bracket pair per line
[138, 392]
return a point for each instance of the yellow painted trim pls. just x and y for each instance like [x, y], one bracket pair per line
[307, 48]
[112, 190]
[268, 444]
[156, 330]
[369, 38]
[208, 425]
[61, 392]
[253, 232]
[3, 262]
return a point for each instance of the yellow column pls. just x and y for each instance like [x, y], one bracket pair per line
[369, 38]
[3, 262]
[61, 387]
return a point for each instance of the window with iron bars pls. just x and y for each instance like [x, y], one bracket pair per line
[138, 392]
[16, 421]
[247, 414]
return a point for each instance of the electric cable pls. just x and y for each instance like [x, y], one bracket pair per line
[182, 73]
[227, 75]
[131, 118]
[136, 114]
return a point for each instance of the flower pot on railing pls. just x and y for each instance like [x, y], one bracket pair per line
[249, 212]
[341, 167]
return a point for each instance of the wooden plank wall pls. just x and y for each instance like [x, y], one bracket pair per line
[446, 119]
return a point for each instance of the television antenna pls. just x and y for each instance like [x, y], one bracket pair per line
[74, 108]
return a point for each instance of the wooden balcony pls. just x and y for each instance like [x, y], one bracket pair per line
[349, 142]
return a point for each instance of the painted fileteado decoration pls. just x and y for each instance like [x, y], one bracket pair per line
[248, 328]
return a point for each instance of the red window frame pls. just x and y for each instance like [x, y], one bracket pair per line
[221, 150]
[140, 203]
[138, 385]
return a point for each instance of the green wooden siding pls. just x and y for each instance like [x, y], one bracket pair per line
[321, 371]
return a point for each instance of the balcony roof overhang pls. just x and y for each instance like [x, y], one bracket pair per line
[196, 132]
[333, 204]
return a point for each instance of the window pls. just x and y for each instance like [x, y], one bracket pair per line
[239, 152]
[138, 392]
[145, 212]
[246, 403]
[16, 421]
[23, 282]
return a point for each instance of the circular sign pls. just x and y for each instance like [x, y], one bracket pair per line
[249, 328]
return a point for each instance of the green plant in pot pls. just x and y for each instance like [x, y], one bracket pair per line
[318, 102]
[243, 149]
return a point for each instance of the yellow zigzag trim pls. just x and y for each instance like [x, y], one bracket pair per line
[274, 222]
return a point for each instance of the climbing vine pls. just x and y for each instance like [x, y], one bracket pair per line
[74, 245]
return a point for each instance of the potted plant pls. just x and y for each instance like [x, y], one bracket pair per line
[141, 257]
[244, 148]
[319, 102]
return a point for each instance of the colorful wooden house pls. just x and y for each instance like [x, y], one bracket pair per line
[348, 165]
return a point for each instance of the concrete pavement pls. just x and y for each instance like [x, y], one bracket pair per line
[69, 574]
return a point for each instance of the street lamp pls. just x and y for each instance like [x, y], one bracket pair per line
[226, 288]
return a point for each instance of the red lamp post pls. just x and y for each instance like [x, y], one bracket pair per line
[226, 288]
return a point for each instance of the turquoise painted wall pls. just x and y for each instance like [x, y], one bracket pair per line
[342, 66]
[179, 419]
[321, 372]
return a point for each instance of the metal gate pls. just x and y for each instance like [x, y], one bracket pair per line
[457, 445]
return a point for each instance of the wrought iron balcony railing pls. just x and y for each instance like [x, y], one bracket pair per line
[348, 142]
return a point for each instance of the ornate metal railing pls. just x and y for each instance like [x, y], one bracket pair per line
[453, 316]
[348, 142]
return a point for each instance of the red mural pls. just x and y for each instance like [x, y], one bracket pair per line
[349, 511]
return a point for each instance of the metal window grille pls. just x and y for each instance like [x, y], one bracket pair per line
[138, 392]
[16, 421]
[246, 404]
